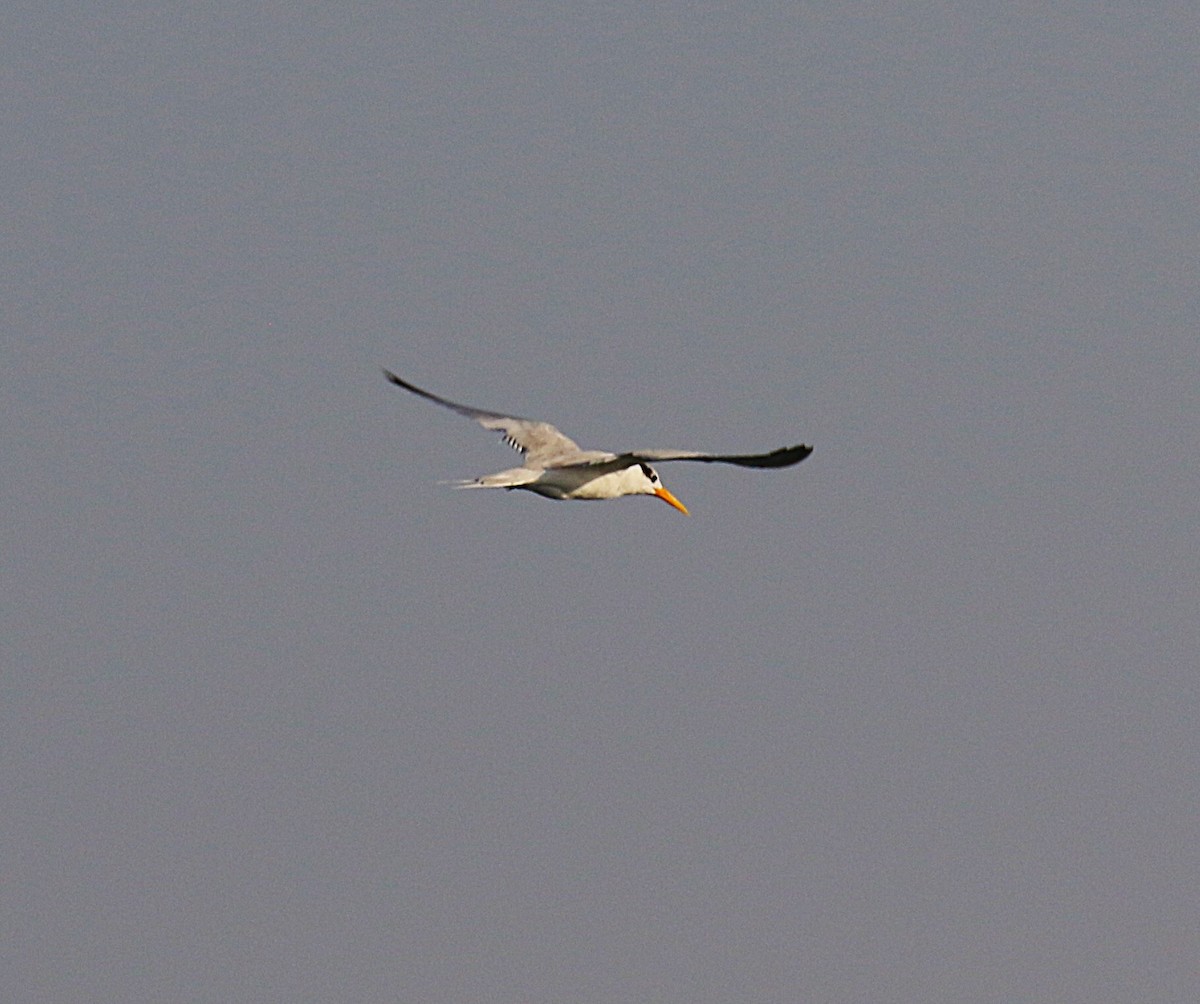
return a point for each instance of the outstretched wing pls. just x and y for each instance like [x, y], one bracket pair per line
[783, 457]
[540, 442]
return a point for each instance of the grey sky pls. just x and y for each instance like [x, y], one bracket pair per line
[285, 720]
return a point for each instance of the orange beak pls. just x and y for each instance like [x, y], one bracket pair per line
[670, 499]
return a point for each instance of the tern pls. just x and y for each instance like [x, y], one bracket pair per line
[557, 468]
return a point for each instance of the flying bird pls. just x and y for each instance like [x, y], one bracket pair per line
[557, 468]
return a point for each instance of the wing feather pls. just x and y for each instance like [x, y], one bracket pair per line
[540, 442]
[544, 446]
[784, 457]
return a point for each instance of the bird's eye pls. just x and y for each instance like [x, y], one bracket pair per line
[649, 473]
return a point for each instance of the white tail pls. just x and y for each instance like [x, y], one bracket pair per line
[514, 478]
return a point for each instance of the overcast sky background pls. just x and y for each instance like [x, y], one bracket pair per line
[286, 720]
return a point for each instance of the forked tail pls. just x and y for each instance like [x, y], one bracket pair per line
[515, 478]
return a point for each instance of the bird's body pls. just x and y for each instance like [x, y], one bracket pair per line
[555, 466]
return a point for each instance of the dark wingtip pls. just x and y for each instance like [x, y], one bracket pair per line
[788, 455]
[392, 378]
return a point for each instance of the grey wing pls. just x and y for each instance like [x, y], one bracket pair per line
[783, 457]
[540, 442]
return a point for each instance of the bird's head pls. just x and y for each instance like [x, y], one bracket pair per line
[644, 481]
